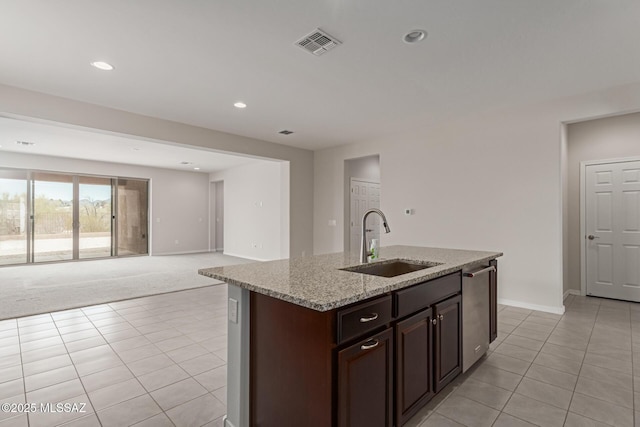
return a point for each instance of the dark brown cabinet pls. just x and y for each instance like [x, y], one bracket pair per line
[372, 363]
[414, 364]
[365, 382]
[428, 355]
[448, 341]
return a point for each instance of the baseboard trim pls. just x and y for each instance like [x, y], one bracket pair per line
[545, 308]
[198, 251]
[571, 292]
[246, 257]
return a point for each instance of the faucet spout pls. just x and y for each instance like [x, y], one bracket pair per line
[364, 251]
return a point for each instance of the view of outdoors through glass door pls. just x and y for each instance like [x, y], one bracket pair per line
[95, 217]
[52, 218]
[55, 217]
[13, 217]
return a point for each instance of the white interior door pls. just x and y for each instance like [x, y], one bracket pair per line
[612, 238]
[365, 195]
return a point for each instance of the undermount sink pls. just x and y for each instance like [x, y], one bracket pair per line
[392, 267]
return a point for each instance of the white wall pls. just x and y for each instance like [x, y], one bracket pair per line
[606, 138]
[179, 200]
[490, 181]
[254, 215]
[24, 103]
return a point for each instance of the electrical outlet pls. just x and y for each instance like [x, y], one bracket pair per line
[332, 223]
[233, 310]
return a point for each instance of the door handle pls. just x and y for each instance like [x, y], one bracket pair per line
[591, 237]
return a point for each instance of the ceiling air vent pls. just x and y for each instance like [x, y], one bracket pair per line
[25, 143]
[318, 42]
[286, 132]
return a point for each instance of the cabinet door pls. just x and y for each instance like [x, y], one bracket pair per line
[365, 382]
[448, 341]
[414, 364]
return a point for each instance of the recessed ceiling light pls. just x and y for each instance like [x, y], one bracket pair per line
[197, 169]
[240, 105]
[135, 149]
[101, 65]
[414, 36]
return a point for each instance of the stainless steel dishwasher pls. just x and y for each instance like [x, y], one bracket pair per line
[475, 313]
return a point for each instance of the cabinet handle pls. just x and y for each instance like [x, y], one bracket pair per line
[373, 316]
[434, 320]
[440, 316]
[367, 346]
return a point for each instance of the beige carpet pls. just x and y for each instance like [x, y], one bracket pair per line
[35, 289]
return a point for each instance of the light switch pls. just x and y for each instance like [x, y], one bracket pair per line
[233, 310]
[332, 223]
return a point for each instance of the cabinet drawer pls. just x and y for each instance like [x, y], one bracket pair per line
[415, 298]
[356, 320]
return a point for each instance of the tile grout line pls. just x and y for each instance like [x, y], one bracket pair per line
[64, 343]
[24, 381]
[123, 362]
[163, 352]
[581, 366]
[521, 378]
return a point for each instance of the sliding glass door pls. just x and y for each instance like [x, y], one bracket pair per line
[95, 217]
[47, 216]
[52, 224]
[13, 217]
[133, 224]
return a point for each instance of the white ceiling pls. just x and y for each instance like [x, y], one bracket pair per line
[189, 61]
[53, 140]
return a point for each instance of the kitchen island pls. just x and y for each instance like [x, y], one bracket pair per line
[313, 344]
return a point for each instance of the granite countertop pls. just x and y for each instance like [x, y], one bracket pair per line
[317, 282]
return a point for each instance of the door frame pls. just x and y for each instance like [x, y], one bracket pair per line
[214, 187]
[583, 212]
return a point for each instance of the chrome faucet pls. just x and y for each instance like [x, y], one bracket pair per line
[364, 251]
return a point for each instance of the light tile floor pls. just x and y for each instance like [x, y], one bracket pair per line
[153, 361]
[550, 370]
[160, 361]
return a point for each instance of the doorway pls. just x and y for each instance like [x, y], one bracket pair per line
[362, 192]
[51, 216]
[611, 228]
[216, 197]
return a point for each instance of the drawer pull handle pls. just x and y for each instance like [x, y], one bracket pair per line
[367, 346]
[434, 320]
[440, 316]
[373, 316]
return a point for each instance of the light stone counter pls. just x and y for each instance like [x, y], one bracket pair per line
[318, 283]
